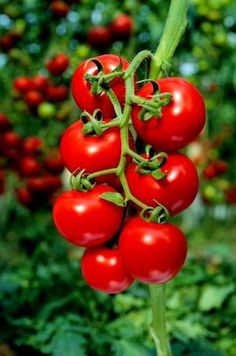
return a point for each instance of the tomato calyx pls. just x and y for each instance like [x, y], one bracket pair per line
[151, 163]
[79, 181]
[92, 123]
[152, 107]
[100, 82]
[159, 214]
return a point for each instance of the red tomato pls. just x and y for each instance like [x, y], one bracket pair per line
[182, 119]
[176, 191]
[57, 93]
[121, 27]
[99, 37]
[24, 196]
[59, 8]
[58, 64]
[22, 84]
[152, 253]
[230, 195]
[5, 123]
[2, 178]
[29, 166]
[92, 153]
[33, 98]
[85, 219]
[102, 268]
[44, 184]
[39, 83]
[81, 89]
[11, 139]
[32, 145]
[53, 162]
[6, 43]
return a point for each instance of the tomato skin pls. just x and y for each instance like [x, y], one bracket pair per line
[57, 93]
[92, 153]
[33, 98]
[90, 102]
[176, 191]
[103, 269]
[32, 145]
[182, 119]
[53, 162]
[121, 27]
[151, 252]
[99, 37]
[59, 8]
[24, 196]
[5, 123]
[29, 166]
[11, 139]
[39, 83]
[22, 84]
[58, 64]
[85, 219]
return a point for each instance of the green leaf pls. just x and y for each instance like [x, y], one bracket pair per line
[214, 296]
[67, 344]
[115, 198]
[127, 348]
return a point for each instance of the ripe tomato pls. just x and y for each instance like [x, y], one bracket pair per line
[11, 139]
[44, 185]
[22, 84]
[58, 64]
[53, 162]
[29, 166]
[57, 93]
[92, 153]
[121, 27]
[32, 145]
[152, 253]
[5, 123]
[39, 83]
[24, 196]
[59, 8]
[176, 191]
[81, 89]
[33, 98]
[99, 37]
[85, 219]
[103, 269]
[182, 119]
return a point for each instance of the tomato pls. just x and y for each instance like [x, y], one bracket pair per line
[53, 162]
[99, 37]
[102, 268]
[57, 93]
[85, 219]
[5, 123]
[230, 195]
[6, 43]
[24, 196]
[29, 166]
[46, 110]
[33, 98]
[59, 8]
[22, 84]
[151, 252]
[92, 153]
[45, 184]
[32, 145]
[181, 121]
[39, 83]
[2, 178]
[176, 191]
[11, 139]
[121, 27]
[58, 64]
[215, 169]
[81, 89]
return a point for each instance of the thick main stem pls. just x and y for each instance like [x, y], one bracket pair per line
[176, 24]
[158, 327]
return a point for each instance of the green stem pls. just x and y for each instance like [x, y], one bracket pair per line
[102, 173]
[158, 327]
[175, 26]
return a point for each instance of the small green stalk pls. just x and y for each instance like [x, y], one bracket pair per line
[176, 24]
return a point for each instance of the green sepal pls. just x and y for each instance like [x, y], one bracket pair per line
[158, 174]
[115, 198]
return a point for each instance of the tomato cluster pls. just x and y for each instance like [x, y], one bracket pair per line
[37, 168]
[121, 196]
[40, 93]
